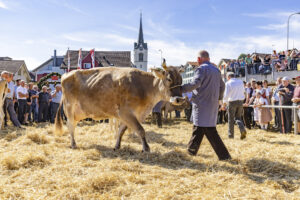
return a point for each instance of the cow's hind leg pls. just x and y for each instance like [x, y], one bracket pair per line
[131, 121]
[71, 126]
[120, 134]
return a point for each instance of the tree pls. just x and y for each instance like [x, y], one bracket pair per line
[242, 55]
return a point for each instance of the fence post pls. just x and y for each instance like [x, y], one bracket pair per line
[295, 121]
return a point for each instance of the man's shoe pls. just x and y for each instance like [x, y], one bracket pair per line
[230, 136]
[192, 153]
[243, 134]
[226, 158]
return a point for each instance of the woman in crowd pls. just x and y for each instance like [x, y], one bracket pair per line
[264, 114]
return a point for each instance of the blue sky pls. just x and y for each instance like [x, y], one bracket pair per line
[32, 29]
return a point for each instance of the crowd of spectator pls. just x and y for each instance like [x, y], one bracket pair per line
[258, 93]
[265, 64]
[25, 103]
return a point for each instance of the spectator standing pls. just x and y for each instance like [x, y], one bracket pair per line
[248, 110]
[16, 104]
[43, 103]
[9, 104]
[249, 64]
[28, 105]
[256, 63]
[236, 66]
[286, 92]
[33, 113]
[296, 100]
[268, 90]
[242, 67]
[50, 104]
[264, 114]
[22, 95]
[275, 100]
[234, 97]
[56, 98]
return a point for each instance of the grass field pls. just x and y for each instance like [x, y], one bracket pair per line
[36, 164]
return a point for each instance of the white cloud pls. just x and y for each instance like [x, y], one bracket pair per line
[3, 5]
[271, 14]
[294, 24]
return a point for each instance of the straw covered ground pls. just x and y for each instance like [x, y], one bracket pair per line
[36, 164]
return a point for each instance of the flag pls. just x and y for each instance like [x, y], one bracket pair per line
[69, 61]
[92, 52]
[79, 59]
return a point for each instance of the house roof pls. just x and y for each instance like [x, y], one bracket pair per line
[12, 66]
[104, 58]
[59, 60]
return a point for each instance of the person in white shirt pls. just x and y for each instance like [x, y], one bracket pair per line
[9, 104]
[22, 95]
[234, 97]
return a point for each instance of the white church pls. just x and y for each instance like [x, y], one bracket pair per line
[141, 50]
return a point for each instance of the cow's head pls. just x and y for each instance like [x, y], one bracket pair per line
[170, 83]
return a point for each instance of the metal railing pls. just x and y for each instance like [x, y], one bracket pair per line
[294, 109]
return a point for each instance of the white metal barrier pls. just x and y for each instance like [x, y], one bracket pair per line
[294, 108]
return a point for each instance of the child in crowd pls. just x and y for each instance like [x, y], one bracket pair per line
[264, 114]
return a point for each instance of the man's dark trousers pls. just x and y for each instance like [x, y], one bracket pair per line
[43, 112]
[247, 117]
[54, 109]
[287, 120]
[21, 109]
[277, 115]
[214, 139]
[235, 111]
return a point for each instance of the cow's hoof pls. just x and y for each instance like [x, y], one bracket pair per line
[73, 146]
[146, 149]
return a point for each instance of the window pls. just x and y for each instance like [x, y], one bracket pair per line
[87, 65]
[141, 57]
[141, 66]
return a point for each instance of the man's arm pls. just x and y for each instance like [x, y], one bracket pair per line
[196, 83]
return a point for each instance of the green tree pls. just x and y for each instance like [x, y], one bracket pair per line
[242, 55]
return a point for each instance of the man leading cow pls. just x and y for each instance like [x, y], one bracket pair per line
[208, 88]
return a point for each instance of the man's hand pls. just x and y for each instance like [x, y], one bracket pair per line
[295, 100]
[286, 90]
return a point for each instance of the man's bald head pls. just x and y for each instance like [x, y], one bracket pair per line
[203, 56]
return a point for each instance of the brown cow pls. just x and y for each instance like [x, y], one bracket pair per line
[126, 94]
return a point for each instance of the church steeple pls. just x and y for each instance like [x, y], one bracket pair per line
[141, 50]
[141, 36]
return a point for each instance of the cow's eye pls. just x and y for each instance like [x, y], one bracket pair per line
[168, 79]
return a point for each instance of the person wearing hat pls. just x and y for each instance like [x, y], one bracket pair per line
[56, 97]
[43, 103]
[286, 92]
[296, 99]
[234, 97]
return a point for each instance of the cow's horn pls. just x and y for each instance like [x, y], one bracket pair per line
[164, 65]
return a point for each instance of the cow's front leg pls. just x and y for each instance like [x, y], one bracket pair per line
[120, 134]
[131, 122]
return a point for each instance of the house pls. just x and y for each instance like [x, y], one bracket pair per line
[102, 59]
[17, 67]
[49, 66]
[188, 74]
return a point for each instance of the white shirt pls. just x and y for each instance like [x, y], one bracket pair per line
[11, 87]
[23, 90]
[234, 90]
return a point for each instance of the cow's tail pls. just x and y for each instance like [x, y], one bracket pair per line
[58, 126]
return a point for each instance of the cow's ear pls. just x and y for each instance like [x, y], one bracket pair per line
[159, 73]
